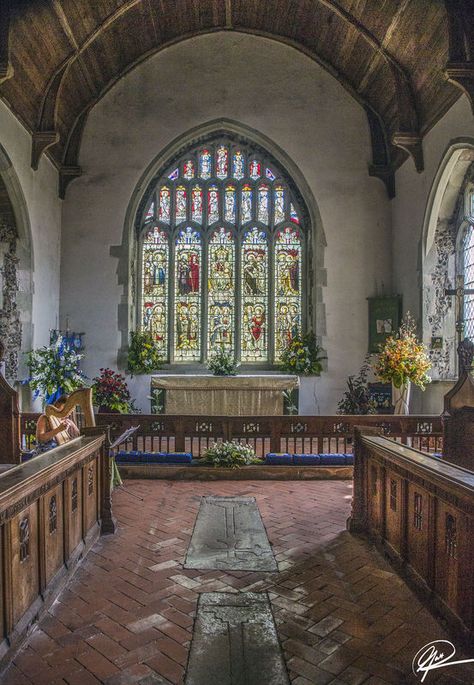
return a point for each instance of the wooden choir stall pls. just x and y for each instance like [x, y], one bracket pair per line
[52, 510]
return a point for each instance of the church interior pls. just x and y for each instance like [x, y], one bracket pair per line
[236, 342]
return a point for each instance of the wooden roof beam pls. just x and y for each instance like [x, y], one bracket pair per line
[45, 135]
[460, 67]
[69, 169]
[407, 136]
[6, 68]
[381, 166]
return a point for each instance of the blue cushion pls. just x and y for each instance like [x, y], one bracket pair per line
[306, 459]
[175, 458]
[437, 455]
[349, 459]
[281, 459]
[333, 459]
[154, 457]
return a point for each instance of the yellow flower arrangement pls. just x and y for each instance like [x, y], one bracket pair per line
[403, 358]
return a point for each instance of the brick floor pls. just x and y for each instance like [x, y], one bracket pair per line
[343, 616]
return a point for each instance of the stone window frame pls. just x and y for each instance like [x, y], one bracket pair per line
[190, 150]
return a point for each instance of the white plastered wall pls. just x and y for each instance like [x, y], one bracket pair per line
[276, 91]
[408, 218]
[34, 196]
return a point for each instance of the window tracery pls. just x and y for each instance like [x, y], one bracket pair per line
[222, 257]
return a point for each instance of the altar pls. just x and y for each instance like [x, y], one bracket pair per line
[224, 395]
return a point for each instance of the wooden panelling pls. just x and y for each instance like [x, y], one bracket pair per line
[73, 509]
[50, 514]
[374, 49]
[53, 531]
[24, 557]
[418, 520]
[427, 520]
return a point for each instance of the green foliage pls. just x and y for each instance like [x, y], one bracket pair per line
[54, 370]
[302, 356]
[110, 391]
[231, 455]
[143, 353]
[223, 363]
[356, 399]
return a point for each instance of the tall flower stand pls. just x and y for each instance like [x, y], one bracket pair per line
[401, 398]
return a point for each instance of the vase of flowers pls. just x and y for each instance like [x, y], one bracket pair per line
[143, 353]
[222, 363]
[54, 370]
[403, 360]
[302, 356]
[110, 393]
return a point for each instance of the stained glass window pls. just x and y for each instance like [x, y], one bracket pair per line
[155, 286]
[221, 162]
[205, 164]
[151, 212]
[222, 261]
[468, 264]
[238, 166]
[188, 296]
[229, 204]
[196, 204]
[165, 205]
[180, 210]
[254, 279]
[262, 206]
[188, 169]
[279, 210]
[287, 287]
[246, 204]
[212, 204]
[221, 291]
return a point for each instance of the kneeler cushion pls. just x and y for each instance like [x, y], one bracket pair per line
[333, 459]
[279, 458]
[154, 457]
[307, 459]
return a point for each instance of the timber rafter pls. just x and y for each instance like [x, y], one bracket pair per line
[460, 67]
[396, 120]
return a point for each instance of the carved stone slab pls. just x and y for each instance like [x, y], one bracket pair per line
[229, 534]
[235, 642]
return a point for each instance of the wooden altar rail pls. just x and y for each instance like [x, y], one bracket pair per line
[52, 509]
[301, 434]
[420, 511]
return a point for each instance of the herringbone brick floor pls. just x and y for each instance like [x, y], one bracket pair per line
[343, 616]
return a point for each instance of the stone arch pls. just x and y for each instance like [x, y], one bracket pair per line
[17, 260]
[441, 226]
[126, 252]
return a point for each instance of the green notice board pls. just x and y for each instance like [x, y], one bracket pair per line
[384, 319]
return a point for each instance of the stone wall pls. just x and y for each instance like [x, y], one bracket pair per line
[424, 241]
[276, 92]
[37, 217]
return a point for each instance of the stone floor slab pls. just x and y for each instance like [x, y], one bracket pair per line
[229, 534]
[235, 642]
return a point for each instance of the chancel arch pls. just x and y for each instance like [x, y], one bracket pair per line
[221, 202]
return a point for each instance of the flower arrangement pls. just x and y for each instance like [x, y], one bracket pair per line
[357, 399]
[143, 353]
[110, 391]
[302, 356]
[54, 370]
[403, 358]
[230, 454]
[222, 363]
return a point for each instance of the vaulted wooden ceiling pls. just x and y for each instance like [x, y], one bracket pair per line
[405, 61]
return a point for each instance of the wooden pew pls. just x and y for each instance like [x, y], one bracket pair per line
[9, 424]
[458, 414]
[420, 511]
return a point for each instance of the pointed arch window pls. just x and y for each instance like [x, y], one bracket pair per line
[222, 240]
[467, 256]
